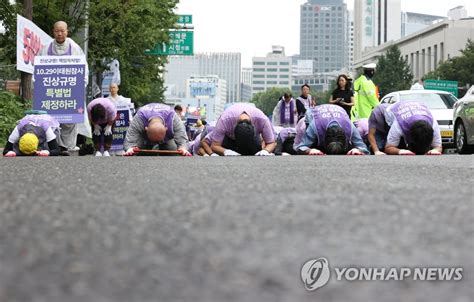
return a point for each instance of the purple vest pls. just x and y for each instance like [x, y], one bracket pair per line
[44, 121]
[283, 112]
[325, 115]
[286, 133]
[407, 113]
[51, 53]
[156, 110]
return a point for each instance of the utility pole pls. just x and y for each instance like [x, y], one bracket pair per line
[26, 77]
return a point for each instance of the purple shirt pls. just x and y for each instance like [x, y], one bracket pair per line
[325, 115]
[110, 110]
[161, 111]
[377, 119]
[226, 124]
[407, 113]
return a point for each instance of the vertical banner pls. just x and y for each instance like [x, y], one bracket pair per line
[30, 39]
[59, 87]
[121, 126]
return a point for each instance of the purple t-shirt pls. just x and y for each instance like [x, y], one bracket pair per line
[325, 115]
[407, 113]
[226, 124]
[110, 109]
[377, 119]
[157, 110]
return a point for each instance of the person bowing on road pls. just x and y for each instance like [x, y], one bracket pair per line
[102, 114]
[415, 124]
[156, 126]
[35, 134]
[330, 131]
[243, 129]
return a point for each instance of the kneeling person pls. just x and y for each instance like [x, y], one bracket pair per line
[330, 131]
[156, 126]
[415, 124]
[102, 114]
[34, 135]
[240, 130]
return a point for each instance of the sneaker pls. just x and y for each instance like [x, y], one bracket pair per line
[98, 154]
[106, 153]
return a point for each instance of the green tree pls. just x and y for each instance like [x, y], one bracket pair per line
[393, 72]
[458, 69]
[267, 100]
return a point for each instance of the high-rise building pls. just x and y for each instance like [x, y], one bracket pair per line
[246, 86]
[413, 22]
[225, 65]
[375, 22]
[274, 70]
[324, 34]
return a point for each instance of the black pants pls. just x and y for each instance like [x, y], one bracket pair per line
[244, 148]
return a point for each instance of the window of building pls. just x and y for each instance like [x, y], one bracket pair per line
[259, 76]
[272, 76]
[284, 76]
[284, 70]
[272, 63]
[272, 82]
[272, 69]
[284, 63]
[284, 82]
[258, 88]
[258, 82]
[259, 69]
[258, 63]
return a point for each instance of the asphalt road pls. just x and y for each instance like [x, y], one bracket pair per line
[231, 229]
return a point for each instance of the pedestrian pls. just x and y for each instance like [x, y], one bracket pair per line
[285, 113]
[156, 126]
[305, 101]
[366, 98]
[285, 141]
[243, 129]
[343, 95]
[64, 46]
[330, 131]
[415, 124]
[202, 143]
[35, 134]
[102, 114]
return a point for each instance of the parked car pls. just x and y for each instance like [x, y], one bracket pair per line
[440, 104]
[464, 123]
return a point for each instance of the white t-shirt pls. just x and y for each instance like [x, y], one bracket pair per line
[396, 133]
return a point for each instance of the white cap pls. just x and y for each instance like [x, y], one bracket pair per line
[369, 66]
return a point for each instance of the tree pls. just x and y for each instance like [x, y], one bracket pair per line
[393, 72]
[267, 100]
[458, 69]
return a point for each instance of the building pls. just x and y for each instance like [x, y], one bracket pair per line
[302, 67]
[375, 22]
[205, 94]
[274, 70]
[317, 82]
[413, 22]
[427, 48]
[457, 13]
[324, 34]
[246, 85]
[350, 59]
[225, 65]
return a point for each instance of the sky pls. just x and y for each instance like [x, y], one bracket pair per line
[251, 27]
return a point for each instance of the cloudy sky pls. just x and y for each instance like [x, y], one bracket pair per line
[251, 27]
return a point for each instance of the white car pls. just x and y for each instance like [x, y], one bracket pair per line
[464, 123]
[440, 104]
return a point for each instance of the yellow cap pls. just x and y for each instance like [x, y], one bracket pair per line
[28, 144]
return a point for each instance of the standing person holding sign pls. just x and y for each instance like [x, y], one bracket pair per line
[102, 114]
[64, 46]
[330, 131]
[415, 124]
